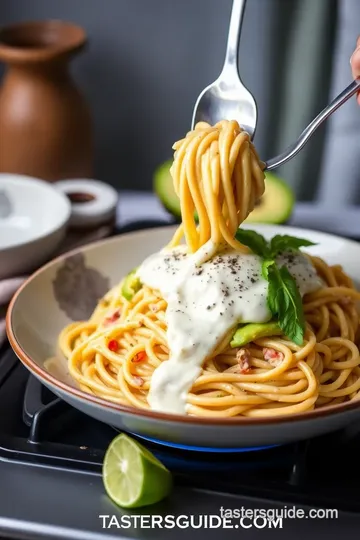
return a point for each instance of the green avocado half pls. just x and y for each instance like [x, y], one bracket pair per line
[275, 206]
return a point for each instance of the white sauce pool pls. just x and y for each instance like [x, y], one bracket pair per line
[204, 302]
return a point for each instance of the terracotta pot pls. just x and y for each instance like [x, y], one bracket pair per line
[45, 125]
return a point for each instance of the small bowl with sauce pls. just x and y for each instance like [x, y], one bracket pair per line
[93, 203]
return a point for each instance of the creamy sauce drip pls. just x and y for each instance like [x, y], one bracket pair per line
[206, 300]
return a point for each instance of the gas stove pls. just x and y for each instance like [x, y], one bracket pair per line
[51, 487]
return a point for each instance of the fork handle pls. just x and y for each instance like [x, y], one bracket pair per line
[232, 47]
[295, 148]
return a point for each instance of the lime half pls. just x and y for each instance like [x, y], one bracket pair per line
[132, 476]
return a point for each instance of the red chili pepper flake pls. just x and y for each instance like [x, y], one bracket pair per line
[139, 381]
[112, 318]
[139, 357]
[113, 345]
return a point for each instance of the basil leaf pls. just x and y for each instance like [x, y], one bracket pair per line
[283, 298]
[254, 241]
[284, 301]
[284, 242]
[274, 289]
[265, 267]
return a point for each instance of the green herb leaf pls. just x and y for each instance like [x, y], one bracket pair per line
[284, 301]
[265, 267]
[285, 242]
[254, 241]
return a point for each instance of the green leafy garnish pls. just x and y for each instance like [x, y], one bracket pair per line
[255, 241]
[284, 242]
[284, 299]
[285, 302]
[269, 250]
[265, 268]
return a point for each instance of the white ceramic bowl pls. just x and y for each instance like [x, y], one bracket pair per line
[68, 289]
[33, 220]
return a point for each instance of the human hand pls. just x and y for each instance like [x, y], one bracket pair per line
[355, 64]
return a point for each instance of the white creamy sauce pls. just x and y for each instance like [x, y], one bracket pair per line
[205, 300]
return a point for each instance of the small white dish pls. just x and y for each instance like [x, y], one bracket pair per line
[93, 203]
[33, 221]
[33, 335]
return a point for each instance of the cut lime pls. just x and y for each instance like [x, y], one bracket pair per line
[132, 476]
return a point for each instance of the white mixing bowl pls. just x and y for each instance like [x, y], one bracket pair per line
[33, 221]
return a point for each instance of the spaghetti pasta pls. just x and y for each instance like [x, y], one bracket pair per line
[116, 353]
[217, 172]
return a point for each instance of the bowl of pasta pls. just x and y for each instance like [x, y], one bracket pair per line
[213, 333]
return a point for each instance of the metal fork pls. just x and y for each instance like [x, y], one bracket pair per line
[295, 148]
[228, 99]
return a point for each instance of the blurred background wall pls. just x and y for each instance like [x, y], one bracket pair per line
[147, 61]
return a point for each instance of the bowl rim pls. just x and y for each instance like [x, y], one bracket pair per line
[58, 223]
[244, 421]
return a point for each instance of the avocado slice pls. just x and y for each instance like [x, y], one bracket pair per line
[253, 331]
[131, 285]
[275, 206]
[164, 189]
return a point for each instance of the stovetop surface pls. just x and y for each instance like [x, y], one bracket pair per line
[51, 487]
